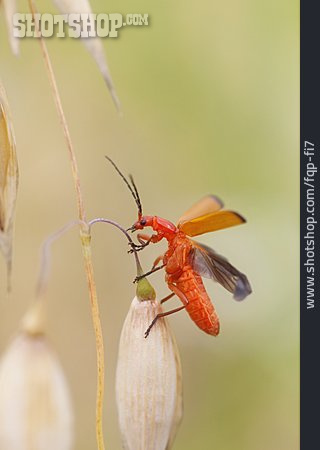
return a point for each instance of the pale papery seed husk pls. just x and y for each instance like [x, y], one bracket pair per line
[148, 380]
[93, 44]
[178, 413]
[35, 405]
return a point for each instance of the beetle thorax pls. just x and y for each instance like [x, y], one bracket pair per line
[164, 227]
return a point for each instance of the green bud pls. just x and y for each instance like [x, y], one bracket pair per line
[145, 290]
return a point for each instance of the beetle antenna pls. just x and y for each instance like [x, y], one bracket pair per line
[133, 191]
[137, 194]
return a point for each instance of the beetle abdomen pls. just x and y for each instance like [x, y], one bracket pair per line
[199, 306]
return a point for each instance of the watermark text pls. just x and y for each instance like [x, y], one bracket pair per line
[74, 25]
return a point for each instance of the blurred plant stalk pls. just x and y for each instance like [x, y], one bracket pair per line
[10, 8]
[148, 378]
[9, 178]
[35, 405]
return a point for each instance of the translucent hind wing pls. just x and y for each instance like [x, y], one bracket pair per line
[209, 264]
[211, 222]
[207, 205]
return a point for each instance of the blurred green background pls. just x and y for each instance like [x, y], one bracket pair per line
[209, 92]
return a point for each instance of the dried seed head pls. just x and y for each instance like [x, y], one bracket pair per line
[93, 45]
[8, 179]
[148, 380]
[35, 406]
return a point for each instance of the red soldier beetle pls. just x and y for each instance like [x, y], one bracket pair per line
[187, 261]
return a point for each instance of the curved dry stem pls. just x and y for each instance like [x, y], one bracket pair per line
[45, 261]
[85, 238]
[115, 224]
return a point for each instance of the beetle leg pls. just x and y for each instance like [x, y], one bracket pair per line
[167, 297]
[144, 240]
[153, 238]
[155, 269]
[181, 296]
[157, 260]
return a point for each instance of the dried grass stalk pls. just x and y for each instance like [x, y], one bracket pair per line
[9, 176]
[85, 239]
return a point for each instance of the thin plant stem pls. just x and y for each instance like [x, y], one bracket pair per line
[112, 222]
[45, 258]
[63, 121]
[84, 234]
[45, 261]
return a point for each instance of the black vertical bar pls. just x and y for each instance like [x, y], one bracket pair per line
[309, 223]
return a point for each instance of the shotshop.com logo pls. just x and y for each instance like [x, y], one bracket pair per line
[79, 25]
